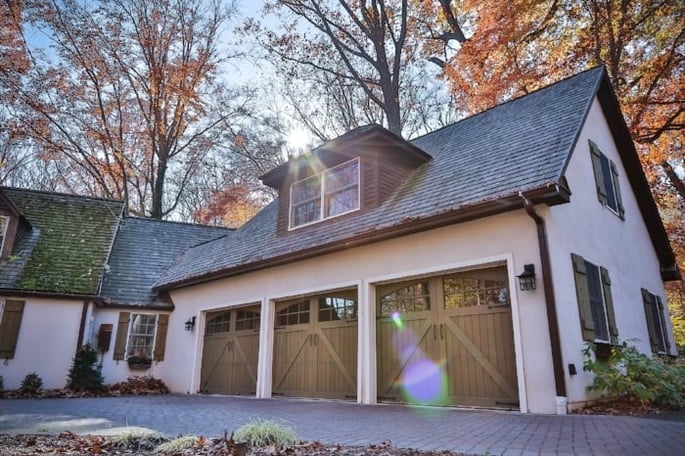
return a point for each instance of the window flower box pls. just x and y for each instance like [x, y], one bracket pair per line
[139, 362]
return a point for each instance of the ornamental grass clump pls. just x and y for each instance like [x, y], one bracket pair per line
[259, 433]
[633, 377]
[178, 444]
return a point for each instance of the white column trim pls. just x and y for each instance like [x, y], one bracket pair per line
[266, 349]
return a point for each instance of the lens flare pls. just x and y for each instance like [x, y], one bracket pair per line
[425, 381]
[397, 319]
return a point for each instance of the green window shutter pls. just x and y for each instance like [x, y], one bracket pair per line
[599, 177]
[662, 315]
[122, 335]
[609, 302]
[648, 302]
[617, 187]
[160, 338]
[587, 324]
[9, 328]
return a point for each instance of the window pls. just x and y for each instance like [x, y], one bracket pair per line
[141, 335]
[656, 322]
[4, 223]
[325, 195]
[606, 180]
[246, 319]
[333, 308]
[595, 305]
[412, 298]
[218, 324]
[294, 314]
[466, 292]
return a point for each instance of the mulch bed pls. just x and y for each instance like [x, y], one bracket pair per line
[621, 407]
[68, 443]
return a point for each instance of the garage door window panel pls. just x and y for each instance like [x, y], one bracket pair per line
[219, 324]
[411, 298]
[460, 292]
[335, 308]
[294, 314]
[247, 320]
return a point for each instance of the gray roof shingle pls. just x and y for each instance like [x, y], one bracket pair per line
[521, 145]
[142, 250]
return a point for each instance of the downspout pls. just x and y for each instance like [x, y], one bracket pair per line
[550, 301]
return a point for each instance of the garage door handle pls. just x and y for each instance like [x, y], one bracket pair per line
[442, 334]
[434, 334]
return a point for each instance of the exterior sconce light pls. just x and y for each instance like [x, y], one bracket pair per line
[190, 324]
[527, 277]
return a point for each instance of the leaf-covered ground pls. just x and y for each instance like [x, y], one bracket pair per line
[69, 443]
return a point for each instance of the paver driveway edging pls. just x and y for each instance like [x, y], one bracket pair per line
[425, 428]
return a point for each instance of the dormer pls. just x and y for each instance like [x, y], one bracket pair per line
[10, 217]
[351, 174]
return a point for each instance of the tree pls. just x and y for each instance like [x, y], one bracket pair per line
[521, 45]
[131, 101]
[363, 60]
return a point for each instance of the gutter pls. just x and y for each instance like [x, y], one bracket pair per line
[550, 301]
[46, 294]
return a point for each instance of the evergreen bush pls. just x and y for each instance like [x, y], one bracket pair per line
[84, 374]
[31, 384]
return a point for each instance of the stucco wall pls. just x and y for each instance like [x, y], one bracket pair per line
[509, 238]
[589, 229]
[46, 344]
[117, 371]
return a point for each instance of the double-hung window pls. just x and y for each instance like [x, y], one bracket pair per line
[606, 180]
[141, 335]
[656, 322]
[595, 304]
[328, 194]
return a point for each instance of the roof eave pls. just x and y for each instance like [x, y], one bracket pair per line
[550, 194]
[49, 294]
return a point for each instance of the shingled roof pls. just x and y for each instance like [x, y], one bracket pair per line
[143, 249]
[479, 167]
[65, 246]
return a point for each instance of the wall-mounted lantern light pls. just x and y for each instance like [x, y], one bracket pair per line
[190, 324]
[527, 277]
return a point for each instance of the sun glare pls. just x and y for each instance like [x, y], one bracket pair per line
[298, 140]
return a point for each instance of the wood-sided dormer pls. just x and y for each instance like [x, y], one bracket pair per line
[343, 177]
[9, 225]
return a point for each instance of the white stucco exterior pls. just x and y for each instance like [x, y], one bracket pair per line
[623, 247]
[115, 371]
[508, 238]
[46, 344]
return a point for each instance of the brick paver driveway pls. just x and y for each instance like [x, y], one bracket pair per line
[427, 428]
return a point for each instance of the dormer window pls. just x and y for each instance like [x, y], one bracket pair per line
[325, 195]
[4, 224]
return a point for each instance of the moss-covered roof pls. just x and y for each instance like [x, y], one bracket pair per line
[66, 247]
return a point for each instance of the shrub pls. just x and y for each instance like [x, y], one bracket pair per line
[260, 433]
[146, 385]
[631, 376]
[84, 374]
[31, 384]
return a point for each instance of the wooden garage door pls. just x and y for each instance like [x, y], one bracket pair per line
[315, 346]
[231, 351]
[448, 341]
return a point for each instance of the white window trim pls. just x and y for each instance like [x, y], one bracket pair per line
[5, 226]
[322, 195]
[154, 333]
